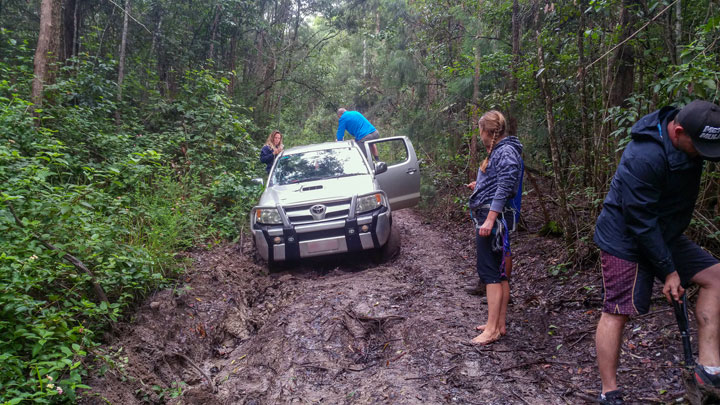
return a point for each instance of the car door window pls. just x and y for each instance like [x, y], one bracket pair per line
[392, 151]
[401, 180]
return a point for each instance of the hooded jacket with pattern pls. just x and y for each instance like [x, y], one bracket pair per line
[651, 197]
[500, 181]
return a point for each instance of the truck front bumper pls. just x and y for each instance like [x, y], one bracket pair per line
[367, 231]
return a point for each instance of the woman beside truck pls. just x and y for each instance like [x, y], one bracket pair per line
[272, 147]
[497, 182]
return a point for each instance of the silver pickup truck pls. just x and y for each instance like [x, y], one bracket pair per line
[329, 198]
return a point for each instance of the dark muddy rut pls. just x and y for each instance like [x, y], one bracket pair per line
[345, 330]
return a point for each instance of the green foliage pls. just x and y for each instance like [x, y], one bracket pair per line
[122, 184]
[623, 120]
[551, 228]
[121, 199]
[559, 269]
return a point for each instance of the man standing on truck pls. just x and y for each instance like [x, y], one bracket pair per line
[640, 232]
[359, 127]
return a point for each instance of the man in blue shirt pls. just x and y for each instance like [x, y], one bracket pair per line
[359, 127]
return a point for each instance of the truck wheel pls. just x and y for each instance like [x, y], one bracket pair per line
[269, 265]
[273, 266]
[387, 252]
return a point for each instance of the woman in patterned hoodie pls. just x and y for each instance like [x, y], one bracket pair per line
[497, 183]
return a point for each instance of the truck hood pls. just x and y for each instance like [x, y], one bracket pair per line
[318, 191]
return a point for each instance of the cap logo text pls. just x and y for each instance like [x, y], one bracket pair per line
[710, 133]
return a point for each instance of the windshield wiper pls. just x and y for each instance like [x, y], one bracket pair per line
[337, 176]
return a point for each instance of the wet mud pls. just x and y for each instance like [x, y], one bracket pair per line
[344, 330]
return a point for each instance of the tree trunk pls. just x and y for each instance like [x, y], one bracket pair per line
[121, 61]
[158, 26]
[298, 18]
[213, 31]
[232, 63]
[581, 84]
[513, 82]
[621, 65]
[678, 30]
[70, 25]
[364, 59]
[47, 50]
[163, 63]
[473, 166]
[558, 177]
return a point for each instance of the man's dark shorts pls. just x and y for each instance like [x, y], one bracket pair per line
[628, 285]
[489, 263]
[369, 137]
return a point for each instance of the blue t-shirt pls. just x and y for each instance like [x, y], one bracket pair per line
[356, 124]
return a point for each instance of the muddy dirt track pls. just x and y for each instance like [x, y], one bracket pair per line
[344, 330]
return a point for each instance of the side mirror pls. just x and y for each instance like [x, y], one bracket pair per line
[259, 181]
[380, 167]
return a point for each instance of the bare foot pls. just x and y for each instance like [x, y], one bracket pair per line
[485, 338]
[503, 331]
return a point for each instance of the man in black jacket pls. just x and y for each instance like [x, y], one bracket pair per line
[640, 232]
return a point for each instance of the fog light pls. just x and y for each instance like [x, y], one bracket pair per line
[351, 231]
[277, 240]
[365, 228]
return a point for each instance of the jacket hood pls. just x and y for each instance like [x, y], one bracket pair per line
[653, 127]
[646, 128]
[510, 142]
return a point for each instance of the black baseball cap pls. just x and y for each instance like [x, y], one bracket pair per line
[701, 120]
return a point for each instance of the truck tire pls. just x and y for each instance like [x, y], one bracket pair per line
[390, 250]
[269, 265]
[273, 267]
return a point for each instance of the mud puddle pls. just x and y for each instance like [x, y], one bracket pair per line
[344, 330]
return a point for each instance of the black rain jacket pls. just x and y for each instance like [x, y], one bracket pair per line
[652, 196]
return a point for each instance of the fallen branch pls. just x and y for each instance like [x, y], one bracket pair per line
[379, 320]
[202, 373]
[517, 396]
[570, 346]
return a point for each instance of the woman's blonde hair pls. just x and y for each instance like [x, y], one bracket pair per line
[271, 140]
[493, 122]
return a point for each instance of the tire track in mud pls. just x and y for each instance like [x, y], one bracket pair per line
[336, 330]
[348, 333]
[344, 330]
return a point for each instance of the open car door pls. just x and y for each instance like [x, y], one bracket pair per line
[401, 181]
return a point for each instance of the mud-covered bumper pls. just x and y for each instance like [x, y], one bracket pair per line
[278, 243]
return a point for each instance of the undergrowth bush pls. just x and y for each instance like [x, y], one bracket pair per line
[120, 200]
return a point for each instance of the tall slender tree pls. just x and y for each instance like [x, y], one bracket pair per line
[121, 61]
[48, 48]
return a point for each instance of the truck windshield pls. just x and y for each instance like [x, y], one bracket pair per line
[318, 165]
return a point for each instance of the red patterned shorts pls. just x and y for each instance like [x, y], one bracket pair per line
[628, 285]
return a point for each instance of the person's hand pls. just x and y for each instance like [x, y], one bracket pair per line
[471, 185]
[672, 288]
[486, 228]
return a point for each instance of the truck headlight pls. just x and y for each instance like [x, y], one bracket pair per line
[368, 202]
[268, 216]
